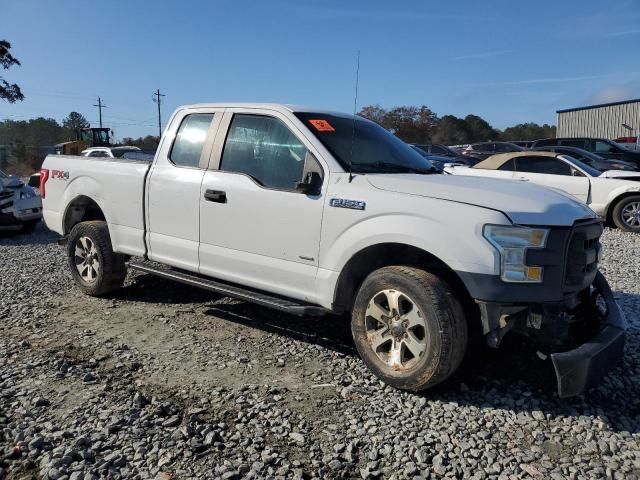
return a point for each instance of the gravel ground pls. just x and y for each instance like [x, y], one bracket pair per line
[162, 381]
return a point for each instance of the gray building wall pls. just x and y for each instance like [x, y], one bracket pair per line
[604, 121]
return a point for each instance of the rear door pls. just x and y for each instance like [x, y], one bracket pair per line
[255, 228]
[553, 172]
[173, 186]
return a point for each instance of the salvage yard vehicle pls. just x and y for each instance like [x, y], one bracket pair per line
[601, 146]
[313, 212]
[484, 150]
[592, 159]
[614, 195]
[20, 205]
[110, 152]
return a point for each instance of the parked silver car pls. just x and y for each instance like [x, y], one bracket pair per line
[20, 205]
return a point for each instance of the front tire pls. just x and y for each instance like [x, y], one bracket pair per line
[95, 267]
[626, 214]
[408, 327]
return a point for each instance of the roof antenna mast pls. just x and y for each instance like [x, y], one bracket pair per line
[355, 108]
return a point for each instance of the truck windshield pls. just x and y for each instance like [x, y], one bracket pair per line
[364, 146]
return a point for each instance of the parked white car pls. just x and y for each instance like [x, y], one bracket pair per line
[109, 152]
[614, 195]
[20, 205]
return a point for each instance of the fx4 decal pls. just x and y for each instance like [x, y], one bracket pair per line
[60, 174]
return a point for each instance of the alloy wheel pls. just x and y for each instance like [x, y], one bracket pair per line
[86, 259]
[396, 329]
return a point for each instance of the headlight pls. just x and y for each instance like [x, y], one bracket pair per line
[512, 243]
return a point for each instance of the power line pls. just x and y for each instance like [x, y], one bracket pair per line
[157, 98]
[100, 106]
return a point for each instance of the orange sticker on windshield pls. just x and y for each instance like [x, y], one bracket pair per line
[322, 125]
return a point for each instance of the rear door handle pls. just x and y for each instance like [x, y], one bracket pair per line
[523, 179]
[217, 196]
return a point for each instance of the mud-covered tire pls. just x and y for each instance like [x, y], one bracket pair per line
[444, 327]
[625, 214]
[106, 269]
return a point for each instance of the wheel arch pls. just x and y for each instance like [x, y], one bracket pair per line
[81, 209]
[616, 201]
[376, 256]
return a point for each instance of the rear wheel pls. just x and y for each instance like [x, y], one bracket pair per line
[408, 327]
[626, 214]
[95, 267]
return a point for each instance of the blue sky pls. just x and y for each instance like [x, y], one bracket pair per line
[507, 61]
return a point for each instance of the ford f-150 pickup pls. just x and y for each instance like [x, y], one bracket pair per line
[309, 211]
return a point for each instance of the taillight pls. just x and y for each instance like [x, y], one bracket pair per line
[44, 176]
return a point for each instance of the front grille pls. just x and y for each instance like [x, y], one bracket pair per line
[582, 255]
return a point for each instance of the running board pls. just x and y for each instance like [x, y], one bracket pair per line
[230, 290]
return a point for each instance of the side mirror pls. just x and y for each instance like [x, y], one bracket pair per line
[310, 184]
[34, 181]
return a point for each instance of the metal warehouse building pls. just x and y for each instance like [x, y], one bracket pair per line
[609, 120]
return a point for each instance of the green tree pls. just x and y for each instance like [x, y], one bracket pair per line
[411, 124]
[74, 122]
[480, 130]
[148, 143]
[529, 131]
[451, 130]
[8, 91]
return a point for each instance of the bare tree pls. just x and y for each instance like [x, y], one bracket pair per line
[8, 91]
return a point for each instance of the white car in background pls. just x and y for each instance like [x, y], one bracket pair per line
[614, 195]
[20, 205]
[109, 152]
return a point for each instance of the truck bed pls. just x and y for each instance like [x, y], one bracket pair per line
[115, 184]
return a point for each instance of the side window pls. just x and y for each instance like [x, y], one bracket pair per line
[503, 147]
[437, 150]
[509, 165]
[190, 139]
[98, 153]
[603, 147]
[573, 143]
[266, 150]
[549, 165]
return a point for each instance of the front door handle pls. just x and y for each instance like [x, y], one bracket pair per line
[523, 179]
[217, 196]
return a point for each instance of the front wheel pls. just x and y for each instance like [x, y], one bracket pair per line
[408, 327]
[95, 267]
[626, 214]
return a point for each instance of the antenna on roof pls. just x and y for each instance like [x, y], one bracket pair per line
[355, 107]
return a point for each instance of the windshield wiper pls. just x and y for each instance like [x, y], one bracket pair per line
[394, 166]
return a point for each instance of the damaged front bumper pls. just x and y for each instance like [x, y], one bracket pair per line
[583, 367]
[583, 336]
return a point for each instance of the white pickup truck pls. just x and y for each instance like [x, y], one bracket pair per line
[309, 212]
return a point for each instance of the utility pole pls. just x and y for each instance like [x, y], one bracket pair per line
[100, 106]
[158, 100]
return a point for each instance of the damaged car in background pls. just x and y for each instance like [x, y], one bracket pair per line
[20, 205]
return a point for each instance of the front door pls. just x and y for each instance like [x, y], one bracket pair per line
[256, 228]
[555, 173]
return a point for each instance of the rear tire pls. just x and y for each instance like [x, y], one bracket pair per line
[408, 327]
[626, 214]
[95, 267]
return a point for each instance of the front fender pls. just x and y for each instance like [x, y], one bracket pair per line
[456, 239]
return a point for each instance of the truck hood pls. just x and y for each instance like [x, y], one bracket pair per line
[523, 202]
